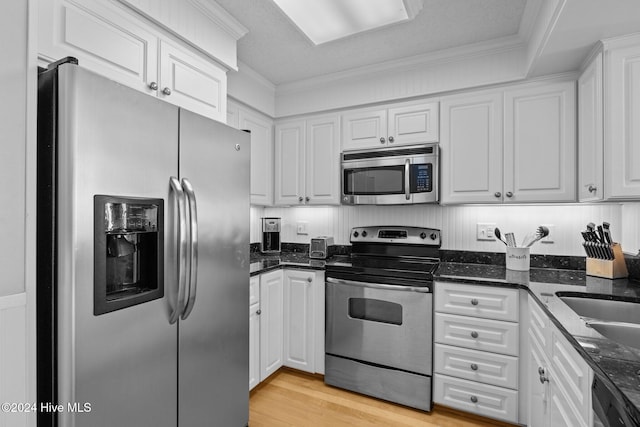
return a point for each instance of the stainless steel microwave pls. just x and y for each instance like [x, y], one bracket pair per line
[390, 176]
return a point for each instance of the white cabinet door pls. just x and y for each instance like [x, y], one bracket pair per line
[103, 39]
[192, 82]
[540, 143]
[413, 124]
[322, 152]
[591, 133]
[289, 163]
[366, 128]
[261, 155]
[622, 127]
[271, 323]
[562, 413]
[538, 386]
[471, 148]
[254, 345]
[319, 310]
[299, 320]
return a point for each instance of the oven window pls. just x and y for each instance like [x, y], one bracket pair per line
[374, 181]
[375, 310]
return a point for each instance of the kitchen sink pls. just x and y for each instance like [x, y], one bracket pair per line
[624, 333]
[604, 309]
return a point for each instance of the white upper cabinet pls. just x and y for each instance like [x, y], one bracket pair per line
[115, 42]
[405, 124]
[261, 128]
[515, 145]
[307, 161]
[471, 148]
[621, 112]
[590, 133]
[540, 143]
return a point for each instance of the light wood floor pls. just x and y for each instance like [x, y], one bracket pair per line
[292, 398]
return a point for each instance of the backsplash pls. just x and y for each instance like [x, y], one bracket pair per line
[458, 223]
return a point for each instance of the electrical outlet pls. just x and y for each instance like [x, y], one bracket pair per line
[551, 235]
[485, 231]
[301, 227]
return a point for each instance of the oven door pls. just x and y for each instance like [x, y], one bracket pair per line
[392, 180]
[383, 324]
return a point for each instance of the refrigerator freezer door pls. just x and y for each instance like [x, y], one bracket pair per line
[112, 140]
[214, 339]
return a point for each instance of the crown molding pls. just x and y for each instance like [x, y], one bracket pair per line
[457, 54]
[220, 17]
[250, 72]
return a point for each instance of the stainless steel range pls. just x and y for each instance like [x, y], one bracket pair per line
[379, 321]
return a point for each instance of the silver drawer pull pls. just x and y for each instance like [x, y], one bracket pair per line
[474, 367]
[474, 302]
[474, 334]
[474, 399]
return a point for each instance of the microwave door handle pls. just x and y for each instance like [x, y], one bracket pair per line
[193, 249]
[182, 248]
[407, 190]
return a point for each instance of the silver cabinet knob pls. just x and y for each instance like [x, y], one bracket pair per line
[474, 302]
[391, 139]
[382, 140]
[497, 194]
[259, 312]
[309, 279]
[540, 370]
[474, 334]
[509, 194]
[543, 379]
[306, 199]
[300, 199]
[166, 91]
[474, 367]
[474, 399]
[153, 86]
[592, 188]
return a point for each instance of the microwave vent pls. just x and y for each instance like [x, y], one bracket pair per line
[387, 153]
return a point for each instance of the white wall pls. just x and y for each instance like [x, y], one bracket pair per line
[458, 223]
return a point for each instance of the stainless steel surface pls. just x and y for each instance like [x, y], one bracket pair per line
[321, 247]
[497, 194]
[509, 194]
[424, 289]
[396, 235]
[377, 381]
[166, 91]
[112, 361]
[193, 247]
[624, 333]
[405, 346]
[407, 190]
[153, 86]
[391, 139]
[181, 214]
[214, 340]
[604, 309]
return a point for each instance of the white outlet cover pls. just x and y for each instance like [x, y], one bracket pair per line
[301, 227]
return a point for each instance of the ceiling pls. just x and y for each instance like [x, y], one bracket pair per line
[279, 52]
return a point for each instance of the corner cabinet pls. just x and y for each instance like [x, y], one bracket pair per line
[261, 128]
[307, 161]
[402, 124]
[113, 41]
[515, 145]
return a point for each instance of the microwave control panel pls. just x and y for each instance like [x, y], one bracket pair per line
[420, 178]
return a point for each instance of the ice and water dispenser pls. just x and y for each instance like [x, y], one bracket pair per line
[129, 252]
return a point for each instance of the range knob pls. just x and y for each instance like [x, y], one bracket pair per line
[433, 236]
[423, 235]
[356, 234]
[364, 233]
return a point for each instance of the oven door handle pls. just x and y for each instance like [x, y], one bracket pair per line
[421, 289]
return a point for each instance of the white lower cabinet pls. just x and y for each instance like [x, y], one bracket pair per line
[559, 380]
[286, 322]
[476, 351]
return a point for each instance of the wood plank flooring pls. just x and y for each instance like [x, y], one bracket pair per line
[295, 399]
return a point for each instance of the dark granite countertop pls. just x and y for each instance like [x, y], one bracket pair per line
[616, 365]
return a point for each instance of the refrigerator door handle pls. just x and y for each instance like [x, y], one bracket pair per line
[193, 241]
[182, 248]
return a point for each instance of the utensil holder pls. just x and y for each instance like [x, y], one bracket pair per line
[609, 269]
[517, 259]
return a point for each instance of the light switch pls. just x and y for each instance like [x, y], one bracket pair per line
[485, 231]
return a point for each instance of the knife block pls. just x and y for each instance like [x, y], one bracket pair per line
[609, 269]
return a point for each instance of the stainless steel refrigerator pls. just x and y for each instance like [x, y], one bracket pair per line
[143, 259]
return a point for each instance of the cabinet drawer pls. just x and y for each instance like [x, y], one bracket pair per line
[488, 368]
[475, 333]
[538, 322]
[475, 300]
[477, 398]
[571, 372]
[254, 290]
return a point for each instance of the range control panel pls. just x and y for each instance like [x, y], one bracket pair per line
[396, 234]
